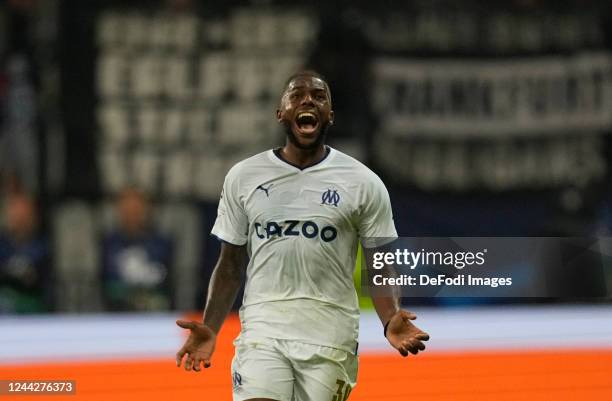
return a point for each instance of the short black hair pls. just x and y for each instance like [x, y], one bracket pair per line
[309, 74]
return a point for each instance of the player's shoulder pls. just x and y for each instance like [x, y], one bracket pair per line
[249, 165]
[359, 171]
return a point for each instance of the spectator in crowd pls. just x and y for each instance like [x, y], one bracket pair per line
[24, 259]
[136, 259]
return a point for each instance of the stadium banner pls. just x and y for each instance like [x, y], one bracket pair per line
[490, 267]
[459, 98]
[499, 164]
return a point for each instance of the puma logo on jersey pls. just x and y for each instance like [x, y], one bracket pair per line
[264, 189]
[295, 228]
[330, 197]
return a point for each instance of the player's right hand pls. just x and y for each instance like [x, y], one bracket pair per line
[199, 347]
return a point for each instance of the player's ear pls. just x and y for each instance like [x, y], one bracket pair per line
[279, 115]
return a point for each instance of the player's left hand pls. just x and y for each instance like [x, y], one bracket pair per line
[404, 336]
[199, 347]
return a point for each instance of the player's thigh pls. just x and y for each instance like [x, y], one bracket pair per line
[261, 372]
[323, 374]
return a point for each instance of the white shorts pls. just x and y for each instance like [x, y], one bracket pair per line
[286, 370]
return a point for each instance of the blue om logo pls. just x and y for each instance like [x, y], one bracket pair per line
[236, 379]
[330, 197]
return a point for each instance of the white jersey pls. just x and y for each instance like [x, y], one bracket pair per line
[301, 228]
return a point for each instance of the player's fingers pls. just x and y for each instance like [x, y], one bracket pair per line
[205, 358]
[188, 363]
[197, 362]
[418, 344]
[423, 336]
[406, 316]
[179, 356]
[402, 350]
[409, 344]
[406, 346]
[414, 346]
[185, 324]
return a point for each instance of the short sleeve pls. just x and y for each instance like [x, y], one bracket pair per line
[376, 226]
[231, 224]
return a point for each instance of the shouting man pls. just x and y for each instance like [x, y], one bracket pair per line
[298, 212]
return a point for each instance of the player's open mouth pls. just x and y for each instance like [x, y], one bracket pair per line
[307, 122]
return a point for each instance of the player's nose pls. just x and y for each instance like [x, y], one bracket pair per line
[307, 100]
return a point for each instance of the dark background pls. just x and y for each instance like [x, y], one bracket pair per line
[100, 95]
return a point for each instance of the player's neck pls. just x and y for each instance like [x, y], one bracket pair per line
[303, 157]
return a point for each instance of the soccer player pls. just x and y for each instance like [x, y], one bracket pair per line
[298, 213]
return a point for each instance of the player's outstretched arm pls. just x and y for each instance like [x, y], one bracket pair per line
[399, 330]
[224, 285]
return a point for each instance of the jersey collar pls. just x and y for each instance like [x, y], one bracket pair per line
[275, 155]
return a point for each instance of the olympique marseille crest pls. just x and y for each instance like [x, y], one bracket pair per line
[330, 197]
[236, 379]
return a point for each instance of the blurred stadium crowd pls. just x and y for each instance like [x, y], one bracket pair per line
[119, 120]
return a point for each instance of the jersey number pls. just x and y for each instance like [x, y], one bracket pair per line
[343, 392]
